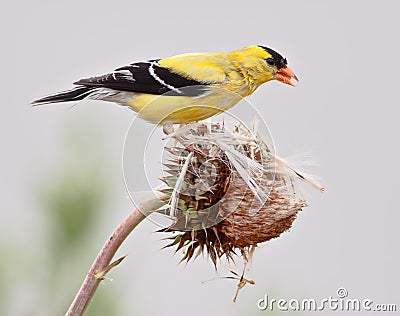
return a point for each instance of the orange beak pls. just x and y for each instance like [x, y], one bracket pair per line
[285, 74]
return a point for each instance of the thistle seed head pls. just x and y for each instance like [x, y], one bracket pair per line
[228, 191]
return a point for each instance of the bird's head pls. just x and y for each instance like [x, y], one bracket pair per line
[264, 64]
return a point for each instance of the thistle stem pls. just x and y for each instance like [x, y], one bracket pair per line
[101, 264]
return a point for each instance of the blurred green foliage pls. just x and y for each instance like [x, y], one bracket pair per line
[73, 204]
[73, 197]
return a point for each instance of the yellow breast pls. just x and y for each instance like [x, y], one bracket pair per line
[182, 109]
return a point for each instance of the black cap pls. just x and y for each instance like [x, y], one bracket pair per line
[280, 61]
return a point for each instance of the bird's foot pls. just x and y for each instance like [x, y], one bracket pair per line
[168, 128]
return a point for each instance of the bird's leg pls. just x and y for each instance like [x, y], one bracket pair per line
[199, 128]
[168, 128]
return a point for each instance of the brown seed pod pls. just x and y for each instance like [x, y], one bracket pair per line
[228, 191]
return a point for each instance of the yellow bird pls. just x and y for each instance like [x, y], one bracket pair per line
[183, 88]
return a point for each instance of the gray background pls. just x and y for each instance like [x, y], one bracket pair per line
[345, 112]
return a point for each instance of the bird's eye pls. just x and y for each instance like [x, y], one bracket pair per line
[270, 61]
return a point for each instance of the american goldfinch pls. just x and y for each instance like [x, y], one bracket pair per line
[183, 88]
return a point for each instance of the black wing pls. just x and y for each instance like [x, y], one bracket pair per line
[146, 77]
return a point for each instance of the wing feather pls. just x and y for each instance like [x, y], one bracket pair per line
[146, 77]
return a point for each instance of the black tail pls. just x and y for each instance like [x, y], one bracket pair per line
[76, 94]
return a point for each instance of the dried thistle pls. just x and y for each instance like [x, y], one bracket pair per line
[228, 191]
